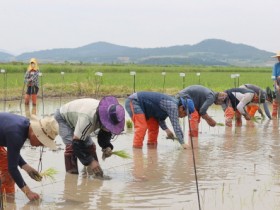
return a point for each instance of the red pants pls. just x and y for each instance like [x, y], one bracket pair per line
[194, 121]
[251, 109]
[8, 184]
[141, 125]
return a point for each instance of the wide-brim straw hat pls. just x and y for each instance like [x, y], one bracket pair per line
[277, 54]
[111, 114]
[45, 129]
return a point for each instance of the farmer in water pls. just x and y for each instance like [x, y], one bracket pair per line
[202, 98]
[78, 119]
[276, 79]
[31, 79]
[252, 108]
[149, 110]
[14, 130]
[234, 104]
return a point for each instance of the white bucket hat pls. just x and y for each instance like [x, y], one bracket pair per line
[45, 129]
[277, 54]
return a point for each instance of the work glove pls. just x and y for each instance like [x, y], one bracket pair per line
[32, 173]
[107, 152]
[209, 120]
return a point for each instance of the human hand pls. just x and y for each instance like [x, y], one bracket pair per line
[32, 172]
[32, 196]
[247, 116]
[209, 120]
[97, 170]
[107, 152]
[228, 122]
[169, 134]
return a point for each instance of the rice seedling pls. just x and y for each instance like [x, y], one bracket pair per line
[220, 124]
[49, 174]
[129, 124]
[122, 154]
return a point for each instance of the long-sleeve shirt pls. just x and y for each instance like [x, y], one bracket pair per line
[239, 98]
[31, 78]
[202, 97]
[161, 106]
[13, 134]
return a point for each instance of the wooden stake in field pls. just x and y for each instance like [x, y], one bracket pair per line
[198, 75]
[133, 73]
[234, 76]
[183, 75]
[62, 85]
[163, 86]
[42, 91]
[98, 82]
[3, 71]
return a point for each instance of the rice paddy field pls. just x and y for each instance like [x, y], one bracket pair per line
[237, 168]
[80, 79]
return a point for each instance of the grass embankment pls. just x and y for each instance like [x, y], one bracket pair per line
[80, 79]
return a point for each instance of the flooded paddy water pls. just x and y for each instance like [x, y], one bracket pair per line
[237, 168]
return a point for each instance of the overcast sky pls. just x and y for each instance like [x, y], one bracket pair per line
[28, 25]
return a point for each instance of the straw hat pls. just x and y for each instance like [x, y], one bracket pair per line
[45, 129]
[111, 114]
[33, 60]
[277, 54]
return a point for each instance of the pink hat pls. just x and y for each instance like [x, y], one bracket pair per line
[111, 114]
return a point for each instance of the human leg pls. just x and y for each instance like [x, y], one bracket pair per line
[8, 184]
[153, 129]
[194, 121]
[66, 133]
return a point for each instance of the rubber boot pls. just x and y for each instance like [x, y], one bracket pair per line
[274, 109]
[71, 163]
[8, 184]
[140, 127]
[153, 129]
[238, 119]
[34, 99]
[26, 99]
[195, 118]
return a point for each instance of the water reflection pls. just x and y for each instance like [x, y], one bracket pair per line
[237, 168]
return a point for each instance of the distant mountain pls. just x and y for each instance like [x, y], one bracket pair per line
[207, 52]
[6, 57]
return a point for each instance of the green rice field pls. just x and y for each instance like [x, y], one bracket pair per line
[81, 79]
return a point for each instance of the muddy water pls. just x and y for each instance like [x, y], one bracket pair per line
[237, 168]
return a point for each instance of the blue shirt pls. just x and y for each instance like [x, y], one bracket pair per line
[13, 134]
[276, 71]
[160, 106]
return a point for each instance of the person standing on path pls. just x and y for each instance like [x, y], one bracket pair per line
[31, 79]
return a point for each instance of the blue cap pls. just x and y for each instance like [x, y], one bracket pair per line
[188, 105]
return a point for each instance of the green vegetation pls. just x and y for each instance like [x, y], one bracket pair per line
[80, 79]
